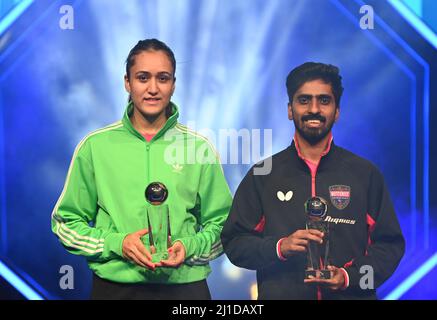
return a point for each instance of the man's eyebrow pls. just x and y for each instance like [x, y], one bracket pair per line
[304, 95]
[307, 95]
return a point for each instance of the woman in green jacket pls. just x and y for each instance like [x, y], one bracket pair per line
[104, 213]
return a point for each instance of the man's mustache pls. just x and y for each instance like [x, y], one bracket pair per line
[314, 117]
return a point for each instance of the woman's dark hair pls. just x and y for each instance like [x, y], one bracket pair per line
[147, 45]
[310, 71]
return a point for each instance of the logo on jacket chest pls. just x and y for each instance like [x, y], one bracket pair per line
[177, 168]
[340, 196]
[284, 196]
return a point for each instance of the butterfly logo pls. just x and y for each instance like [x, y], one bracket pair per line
[284, 197]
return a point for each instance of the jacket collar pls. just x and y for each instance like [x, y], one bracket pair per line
[324, 153]
[325, 156]
[170, 123]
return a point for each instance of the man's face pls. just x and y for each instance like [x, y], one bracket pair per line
[151, 82]
[313, 110]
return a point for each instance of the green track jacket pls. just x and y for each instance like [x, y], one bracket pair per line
[103, 199]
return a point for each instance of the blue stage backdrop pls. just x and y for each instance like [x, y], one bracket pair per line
[232, 60]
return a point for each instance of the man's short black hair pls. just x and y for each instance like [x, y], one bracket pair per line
[310, 71]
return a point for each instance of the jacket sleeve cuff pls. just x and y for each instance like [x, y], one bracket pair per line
[189, 244]
[278, 250]
[353, 276]
[346, 278]
[114, 244]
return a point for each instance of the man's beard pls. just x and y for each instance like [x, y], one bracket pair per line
[313, 135]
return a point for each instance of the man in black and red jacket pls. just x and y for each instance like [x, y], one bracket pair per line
[266, 228]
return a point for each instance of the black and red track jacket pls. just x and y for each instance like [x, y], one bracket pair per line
[364, 229]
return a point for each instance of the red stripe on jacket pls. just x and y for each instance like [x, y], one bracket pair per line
[260, 226]
[371, 227]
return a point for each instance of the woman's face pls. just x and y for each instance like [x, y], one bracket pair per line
[151, 82]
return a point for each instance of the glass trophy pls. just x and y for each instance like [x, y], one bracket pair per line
[316, 209]
[158, 220]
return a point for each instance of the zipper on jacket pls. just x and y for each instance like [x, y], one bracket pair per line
[313, 173]
[148, 162]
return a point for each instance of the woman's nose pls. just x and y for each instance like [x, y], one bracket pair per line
[153, 87]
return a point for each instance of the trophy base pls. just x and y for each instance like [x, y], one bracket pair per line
[320, 274]
[156, 257]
